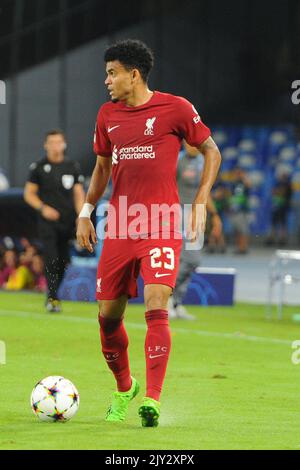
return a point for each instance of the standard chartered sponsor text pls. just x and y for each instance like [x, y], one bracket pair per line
[136, 153]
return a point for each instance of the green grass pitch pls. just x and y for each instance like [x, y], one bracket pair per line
[230, 384]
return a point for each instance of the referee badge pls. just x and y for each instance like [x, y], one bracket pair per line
[68, 181]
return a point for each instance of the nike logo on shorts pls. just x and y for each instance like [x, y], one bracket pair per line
[157, 275]
[110, 129]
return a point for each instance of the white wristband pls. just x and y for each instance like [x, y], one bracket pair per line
[86, 211]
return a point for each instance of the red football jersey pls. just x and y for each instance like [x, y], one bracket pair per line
[144, 142]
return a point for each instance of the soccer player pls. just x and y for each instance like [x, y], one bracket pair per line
[137, 139]
[54, 188]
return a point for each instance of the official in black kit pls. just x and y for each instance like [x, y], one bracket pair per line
[54, 188]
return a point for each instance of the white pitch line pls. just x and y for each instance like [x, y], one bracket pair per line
[138, 326]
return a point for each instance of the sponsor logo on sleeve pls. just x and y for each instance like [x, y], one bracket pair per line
[197, 118]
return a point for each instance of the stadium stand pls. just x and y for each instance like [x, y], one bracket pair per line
[264, 153]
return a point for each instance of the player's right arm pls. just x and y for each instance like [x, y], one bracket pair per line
[86, 234]
[99, 180]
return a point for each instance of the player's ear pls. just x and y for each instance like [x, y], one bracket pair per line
[135, 75]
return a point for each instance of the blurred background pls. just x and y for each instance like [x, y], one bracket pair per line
[237, 61]
[234, 60]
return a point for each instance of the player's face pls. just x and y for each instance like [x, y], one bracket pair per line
[119, 81]
[55, 144]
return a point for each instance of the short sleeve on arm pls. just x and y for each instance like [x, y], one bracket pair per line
[188, 124]
[102, 145]
[33, 176]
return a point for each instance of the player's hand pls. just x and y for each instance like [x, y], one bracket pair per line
[50, 213]
[86, 234]
[196, 222]
[217, 226]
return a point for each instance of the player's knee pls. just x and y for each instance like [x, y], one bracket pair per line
[109, 316]
[104, 311]
[155, 301]
[110, 309]
[156, 297]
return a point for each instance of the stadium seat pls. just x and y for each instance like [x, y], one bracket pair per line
[288, 154]
[247, 145]
[256, 178]
[283, 169]
[278, 138]
[247, 162]
[220, 136]
[230, 156]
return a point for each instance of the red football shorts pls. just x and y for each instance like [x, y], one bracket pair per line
[123, 259]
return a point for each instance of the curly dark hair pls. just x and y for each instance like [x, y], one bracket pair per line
[132, 54]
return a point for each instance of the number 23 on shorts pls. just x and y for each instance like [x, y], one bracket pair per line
[157, 262]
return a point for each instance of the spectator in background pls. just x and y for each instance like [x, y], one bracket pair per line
[2, 251]
[281, 203]
[24, 243]
[216, 239]
[22, 271]
[239, 210]
[37, 269]
[14, 275]
[26, 256]
[54, 189]
[8, 263]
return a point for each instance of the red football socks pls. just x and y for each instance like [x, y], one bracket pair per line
[157, 350]
[114, 342]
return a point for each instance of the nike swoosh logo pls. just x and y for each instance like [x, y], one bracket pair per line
[112, 128]
[157, 275]
[153, 357]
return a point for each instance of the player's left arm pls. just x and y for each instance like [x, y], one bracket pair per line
[212, 161]
[79, 197]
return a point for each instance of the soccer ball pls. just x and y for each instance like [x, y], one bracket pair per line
[55, 399]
